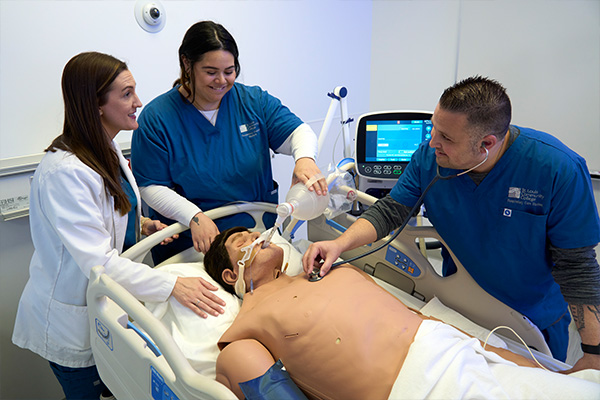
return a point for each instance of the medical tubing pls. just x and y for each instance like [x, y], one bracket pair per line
[521, 339]
[406, 220]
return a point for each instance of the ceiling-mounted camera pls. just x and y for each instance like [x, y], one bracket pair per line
[150, 15]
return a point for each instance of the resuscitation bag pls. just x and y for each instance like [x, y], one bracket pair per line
[340, 201]
[275, 384]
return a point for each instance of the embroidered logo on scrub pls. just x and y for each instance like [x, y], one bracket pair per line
[250, 130]
[525, 197]
[507, 212]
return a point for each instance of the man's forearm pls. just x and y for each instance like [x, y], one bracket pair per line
[358, 234]
[386, 215]
[587, 321]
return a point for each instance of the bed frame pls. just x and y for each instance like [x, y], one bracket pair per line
[141, 360]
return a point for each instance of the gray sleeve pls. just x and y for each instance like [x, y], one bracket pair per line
[577, 273]
[386, 215]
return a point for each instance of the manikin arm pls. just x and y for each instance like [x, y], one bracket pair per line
[241, 361]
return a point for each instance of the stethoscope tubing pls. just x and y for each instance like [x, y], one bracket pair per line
[413, 211]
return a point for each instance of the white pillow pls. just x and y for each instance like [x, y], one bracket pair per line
[196, 337]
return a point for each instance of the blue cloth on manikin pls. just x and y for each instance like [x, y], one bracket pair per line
[275, 384]
[539, 192]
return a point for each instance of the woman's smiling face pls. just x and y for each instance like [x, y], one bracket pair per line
[214, 76]
[122, 102]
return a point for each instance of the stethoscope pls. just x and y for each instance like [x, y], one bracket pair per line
[412, 212]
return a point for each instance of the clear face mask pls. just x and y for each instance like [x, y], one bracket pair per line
[248, 254]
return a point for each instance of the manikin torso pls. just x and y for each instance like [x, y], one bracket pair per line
[342, 337]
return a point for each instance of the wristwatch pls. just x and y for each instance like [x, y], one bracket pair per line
[590, 349]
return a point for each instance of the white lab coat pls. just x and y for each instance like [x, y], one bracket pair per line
[74, 227]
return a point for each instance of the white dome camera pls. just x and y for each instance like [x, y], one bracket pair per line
[150, 15]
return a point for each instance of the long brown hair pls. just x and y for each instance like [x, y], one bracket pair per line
[86, 81]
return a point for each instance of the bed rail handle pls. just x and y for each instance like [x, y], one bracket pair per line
[145, 338]
[255, 209]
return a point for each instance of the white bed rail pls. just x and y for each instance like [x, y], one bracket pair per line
[148, 364]
[256, 210]
[140, 372]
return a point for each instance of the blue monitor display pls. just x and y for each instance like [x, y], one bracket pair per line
[386, 141]
[394, 141]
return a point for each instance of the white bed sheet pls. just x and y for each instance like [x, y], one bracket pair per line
[459, 368]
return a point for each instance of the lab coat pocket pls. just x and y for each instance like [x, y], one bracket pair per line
[68, 325]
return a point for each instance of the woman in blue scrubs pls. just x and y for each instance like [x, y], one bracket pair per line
[205, 142]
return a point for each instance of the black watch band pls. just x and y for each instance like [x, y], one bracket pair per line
[590, 349]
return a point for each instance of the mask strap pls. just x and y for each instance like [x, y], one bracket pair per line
[240, 284]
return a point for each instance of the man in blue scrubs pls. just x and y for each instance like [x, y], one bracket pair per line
[523, 222]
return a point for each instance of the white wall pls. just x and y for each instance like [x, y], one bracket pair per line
[297, 50]
[546, 53]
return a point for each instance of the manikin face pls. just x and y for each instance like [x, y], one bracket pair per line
[263, 265]
[454, 147]
[214, 75]
[122, 103]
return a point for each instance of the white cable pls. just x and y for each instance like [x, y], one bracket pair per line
[335, 144]
[522, 341]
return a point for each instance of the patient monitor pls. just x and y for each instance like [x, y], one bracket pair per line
[385, 142]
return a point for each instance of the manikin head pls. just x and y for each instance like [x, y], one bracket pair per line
[230, 248]
[471, 116]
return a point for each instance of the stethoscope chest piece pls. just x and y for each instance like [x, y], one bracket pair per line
[314, 275]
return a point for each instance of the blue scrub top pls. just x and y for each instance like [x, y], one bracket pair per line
[177, 147]
[539, 192]
[130, 233]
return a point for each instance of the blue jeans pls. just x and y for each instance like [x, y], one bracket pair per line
[79, 383]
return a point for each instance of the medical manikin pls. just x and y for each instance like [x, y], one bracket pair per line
[332, 343]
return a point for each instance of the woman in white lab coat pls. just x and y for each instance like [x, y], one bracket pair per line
[84, 205]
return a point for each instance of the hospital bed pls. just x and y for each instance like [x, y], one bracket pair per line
[138, 356]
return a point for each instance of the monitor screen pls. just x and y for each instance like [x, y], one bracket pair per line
[394, 141]
[386, 141]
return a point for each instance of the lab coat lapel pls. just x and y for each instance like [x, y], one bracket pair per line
[129, 175]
